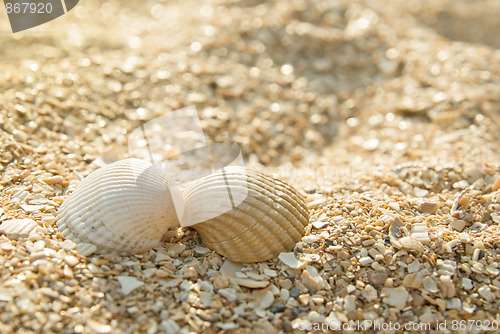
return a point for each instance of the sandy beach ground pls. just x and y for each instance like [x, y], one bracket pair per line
[384, 115]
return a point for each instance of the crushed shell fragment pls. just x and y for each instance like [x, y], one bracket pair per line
[15, 229]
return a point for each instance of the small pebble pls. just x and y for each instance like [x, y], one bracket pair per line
[99, 327]
[413, 280]
[129, 284]
[71, 260]
[453, 304]
[270, 273]
[428, 207]
[377, 277]
[277, 308]
[294, 292]
[366, 261]
[412, 244]
[68, 245]
[290, 260]
[485, 292]
[458, 225]
[465, 238]
[315, 204]
[419, 192]
[312, 279]
[396, 297]
[228, 293]
[467, 283]
[420, 231]
[394, 206]
[430, 285]
[201, 250]
[496, 184]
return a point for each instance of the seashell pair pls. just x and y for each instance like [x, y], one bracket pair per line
[242, 214]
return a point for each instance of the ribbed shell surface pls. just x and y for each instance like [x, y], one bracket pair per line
[126, 206]
[270, 220]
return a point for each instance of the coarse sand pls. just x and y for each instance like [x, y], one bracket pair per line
[385, 115]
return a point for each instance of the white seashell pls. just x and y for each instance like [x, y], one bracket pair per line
[15, 229]
[245, 215]
[125, 206]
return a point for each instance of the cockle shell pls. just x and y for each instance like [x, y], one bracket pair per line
[264, 217]
[125, 206]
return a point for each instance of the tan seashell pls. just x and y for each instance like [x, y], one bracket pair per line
[125, 206]
[245, 215]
